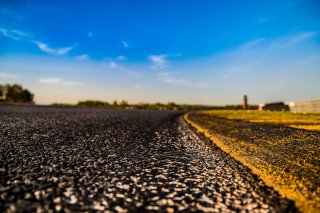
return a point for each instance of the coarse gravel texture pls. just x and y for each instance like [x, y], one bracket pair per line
[73, 159]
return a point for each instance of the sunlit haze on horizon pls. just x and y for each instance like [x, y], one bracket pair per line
[193, 52]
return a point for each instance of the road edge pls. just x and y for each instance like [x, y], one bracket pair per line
[285, 191]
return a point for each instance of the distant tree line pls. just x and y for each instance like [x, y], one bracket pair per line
[15, 93]
[102, 104]
[151, 106]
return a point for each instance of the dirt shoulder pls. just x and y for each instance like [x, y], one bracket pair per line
[287, 159]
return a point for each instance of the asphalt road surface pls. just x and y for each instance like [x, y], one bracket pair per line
[71, 160]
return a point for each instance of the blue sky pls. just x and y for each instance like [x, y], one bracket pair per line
[196, 52]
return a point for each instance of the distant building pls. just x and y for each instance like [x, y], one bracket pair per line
[312, 106]
[277, 106]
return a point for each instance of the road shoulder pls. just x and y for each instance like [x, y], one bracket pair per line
[288, 162]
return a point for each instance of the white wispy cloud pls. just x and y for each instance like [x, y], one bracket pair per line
[239, 68]
[83, 57]
[258, 55]
[50, 80]
[135, 74]
[169, 78]
[137, 86]
[58, 51]
[124, 44]
[13, 34]
[252, 43]
[7, 75]
[295, 39]
[158, 61]
[114, 63]
[276, 44]
[177, 54]
[58, 81]
[121, 58]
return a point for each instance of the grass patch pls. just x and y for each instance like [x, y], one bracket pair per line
[309, 121]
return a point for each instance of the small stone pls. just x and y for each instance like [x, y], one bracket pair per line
[120, 209]
[171, 195]
[165, 202]
[58, 208]
[68, 193]
[155, 198]
[98, 207]
[57, 200]
[170, 210]
[73, 199]
[13, 208]
[125, 187]
[155, 208]
[120, 196]
[37, 194]
[134, 179]
[203, 208]
[165, 190]
[28, 196]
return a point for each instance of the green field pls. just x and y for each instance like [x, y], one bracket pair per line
[286, 158]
